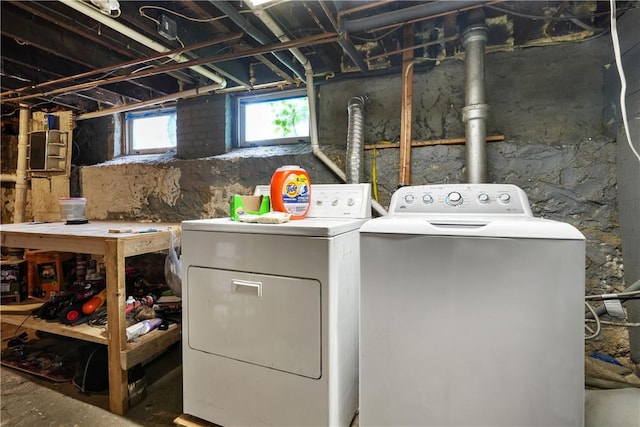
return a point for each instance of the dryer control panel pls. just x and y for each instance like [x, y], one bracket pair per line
[335, 200]
[477, 199]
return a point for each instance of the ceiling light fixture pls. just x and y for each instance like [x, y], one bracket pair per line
[108, 7]
[256, 3]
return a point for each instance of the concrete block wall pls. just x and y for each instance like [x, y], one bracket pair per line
[201, 127]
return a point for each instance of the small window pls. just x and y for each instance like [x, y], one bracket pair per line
[152, 131]
[277, 118]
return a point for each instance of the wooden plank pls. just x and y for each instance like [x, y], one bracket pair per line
[453, 141]
[83, 332]
[87, 238]
[146, 243]
[85, 245]
[186, 420]
[148, 345]
[116, 294]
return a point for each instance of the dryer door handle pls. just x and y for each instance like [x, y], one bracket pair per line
[243, 286]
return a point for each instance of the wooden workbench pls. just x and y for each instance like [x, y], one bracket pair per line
[96, 238]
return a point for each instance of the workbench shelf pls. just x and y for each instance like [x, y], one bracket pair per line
[98, 238]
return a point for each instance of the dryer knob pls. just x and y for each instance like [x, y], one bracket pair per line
[454, 199]
[483, 198]
[504, 198]
[409, 198]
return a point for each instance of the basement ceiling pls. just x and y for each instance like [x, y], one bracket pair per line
[87, 56]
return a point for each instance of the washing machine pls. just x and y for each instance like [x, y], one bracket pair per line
[271, 315]
[472, 312]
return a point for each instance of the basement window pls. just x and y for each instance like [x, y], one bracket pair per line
[273, 119]
[151, 131]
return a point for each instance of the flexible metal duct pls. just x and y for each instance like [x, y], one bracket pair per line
[475, 112]
[355, 140]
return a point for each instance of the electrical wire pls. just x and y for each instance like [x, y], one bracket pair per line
[375, 39]
[621, 324]
[201, 20]
[620, 295]
[623, 80]
[15, 333]
[596, 318]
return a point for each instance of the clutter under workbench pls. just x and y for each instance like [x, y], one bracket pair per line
[96, 239]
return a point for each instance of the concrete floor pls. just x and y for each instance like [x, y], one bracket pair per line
[28, 401]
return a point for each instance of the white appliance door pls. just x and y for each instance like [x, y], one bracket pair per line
[271, 321]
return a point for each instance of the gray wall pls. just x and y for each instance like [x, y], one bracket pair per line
[548, 102]
[628, 164]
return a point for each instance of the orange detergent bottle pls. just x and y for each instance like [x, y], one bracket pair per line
[290, 191]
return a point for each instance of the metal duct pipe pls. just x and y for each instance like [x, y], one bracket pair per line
[94, 13]
[21, 167]
[257, 35]
[407, 14]
[343, 41]
[475, 112]
[355, 140]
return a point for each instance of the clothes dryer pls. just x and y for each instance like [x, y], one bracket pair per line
[271, 312]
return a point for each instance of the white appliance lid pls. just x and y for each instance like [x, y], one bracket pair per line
[472, 226]
[314, 227]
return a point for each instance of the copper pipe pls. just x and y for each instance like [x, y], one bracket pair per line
[307, 41]
[133, 62]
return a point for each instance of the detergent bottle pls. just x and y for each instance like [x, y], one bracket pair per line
[290, 191]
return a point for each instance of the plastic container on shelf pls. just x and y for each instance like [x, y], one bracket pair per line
[72, 208]
[290, 191]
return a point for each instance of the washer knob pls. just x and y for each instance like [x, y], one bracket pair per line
[454, 199]
[426, 199]
[409, 199]
[504, 198]
[350, 202]
[483, 198]
[334, 202]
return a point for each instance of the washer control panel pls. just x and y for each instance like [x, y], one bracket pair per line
[335, 200]
[480, 199]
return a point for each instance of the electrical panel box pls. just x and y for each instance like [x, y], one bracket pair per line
[168, 28]
[47, 151]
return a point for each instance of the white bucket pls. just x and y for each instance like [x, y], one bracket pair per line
[72, 208]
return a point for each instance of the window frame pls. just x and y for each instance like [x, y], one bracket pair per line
[243, 100]
[129, 118]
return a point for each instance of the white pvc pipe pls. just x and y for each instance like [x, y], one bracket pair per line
[8, 177]
[21, 167]
[94, 13]
[311, 96]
